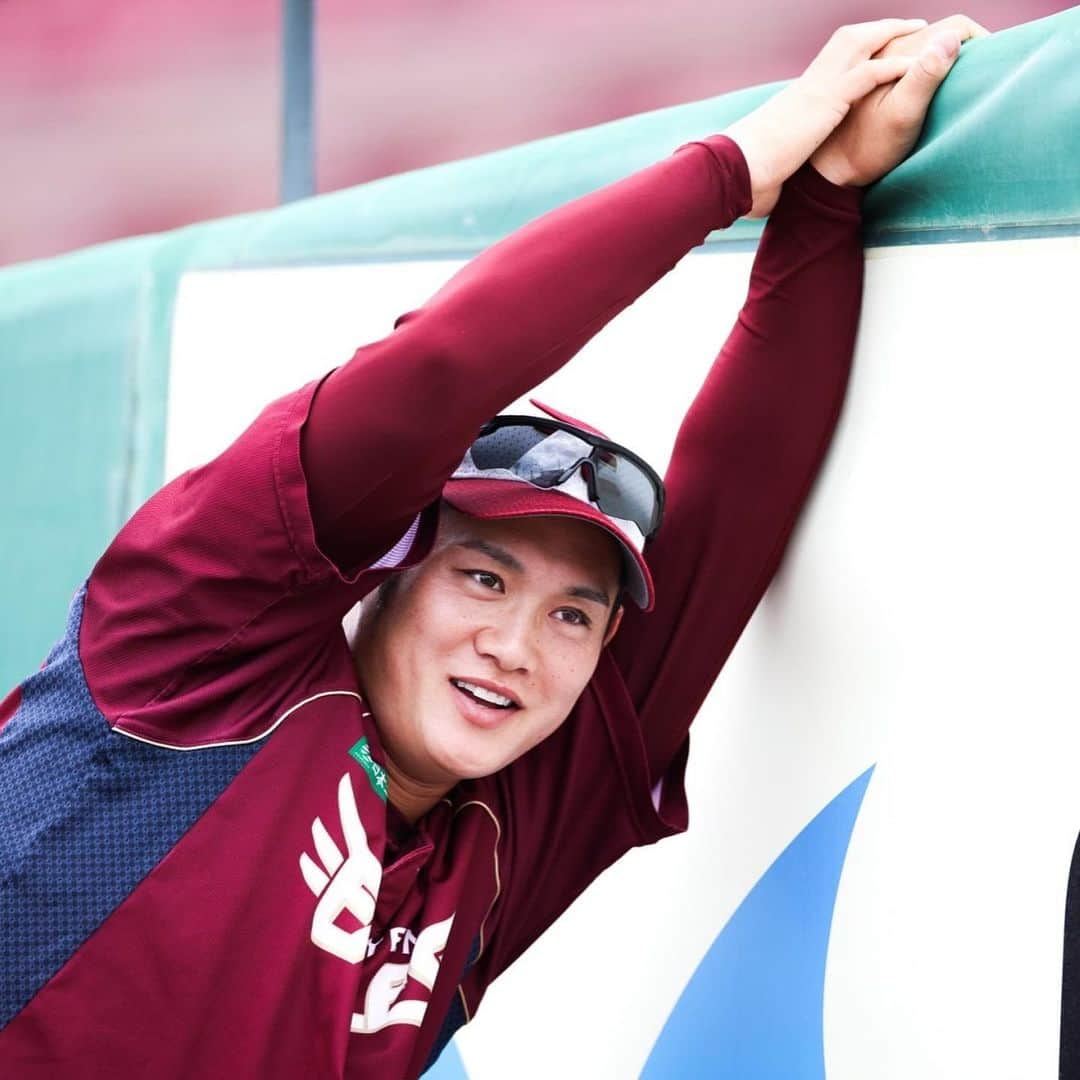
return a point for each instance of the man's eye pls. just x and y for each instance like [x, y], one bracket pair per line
[485, 578]
[574, 616]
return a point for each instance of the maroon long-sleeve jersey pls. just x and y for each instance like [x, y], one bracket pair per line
[199, 871]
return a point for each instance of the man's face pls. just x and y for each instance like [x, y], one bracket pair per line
[483, 649]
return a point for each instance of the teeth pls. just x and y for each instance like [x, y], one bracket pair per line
[483, 694]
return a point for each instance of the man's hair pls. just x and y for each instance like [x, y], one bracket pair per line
[385, 592]
[615, 609]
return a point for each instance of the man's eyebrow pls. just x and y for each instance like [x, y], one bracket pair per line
[584, 592]
[505, 558]
[493, 551]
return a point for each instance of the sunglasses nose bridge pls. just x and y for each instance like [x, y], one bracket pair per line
[588, 474]
[584, 465]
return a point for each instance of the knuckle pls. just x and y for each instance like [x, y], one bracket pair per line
[932, 65]
[906, 115]
[960, 23]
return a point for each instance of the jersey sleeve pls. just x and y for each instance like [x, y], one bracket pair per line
[233, 579]
[213, 605]
[514, 315]
[745, 457]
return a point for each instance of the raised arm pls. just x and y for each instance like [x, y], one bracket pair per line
[746, 455]
[222, 578]
[752, 442]
[414, 401]
[516, 313]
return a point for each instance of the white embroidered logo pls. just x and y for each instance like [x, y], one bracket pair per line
[350, 882]
[381, 1005]
[344, 883]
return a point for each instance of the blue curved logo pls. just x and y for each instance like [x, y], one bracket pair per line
[753, 1009]
[448, 1067]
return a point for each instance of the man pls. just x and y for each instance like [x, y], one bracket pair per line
[236, 842]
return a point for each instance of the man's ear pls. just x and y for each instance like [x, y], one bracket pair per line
[613, 625]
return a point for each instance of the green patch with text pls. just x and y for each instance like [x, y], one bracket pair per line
[361, 753]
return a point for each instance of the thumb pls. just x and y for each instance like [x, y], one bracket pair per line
[911, 96]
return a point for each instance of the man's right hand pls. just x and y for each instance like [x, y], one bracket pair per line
[780, 135]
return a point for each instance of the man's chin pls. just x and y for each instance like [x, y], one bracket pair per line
[469, 770]
[463, 762]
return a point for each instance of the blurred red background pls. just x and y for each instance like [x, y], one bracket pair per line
[126, 116]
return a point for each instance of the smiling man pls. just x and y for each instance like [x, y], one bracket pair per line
[236, 840]
[480, 652]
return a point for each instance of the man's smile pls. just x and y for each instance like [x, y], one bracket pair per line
[486, 693]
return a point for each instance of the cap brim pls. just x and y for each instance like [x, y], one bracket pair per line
[492, 500]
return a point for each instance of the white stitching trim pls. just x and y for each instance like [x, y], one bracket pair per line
[240, 742]
[495, 854]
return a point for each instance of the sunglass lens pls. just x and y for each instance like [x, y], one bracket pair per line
[618, 486]
[625, 491]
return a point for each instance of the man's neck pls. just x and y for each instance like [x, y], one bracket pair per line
[411, 798]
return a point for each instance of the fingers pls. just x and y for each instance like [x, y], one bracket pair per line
[913, 44]
[861, 40]
[910, 98]
[965, 27]
[870, 74]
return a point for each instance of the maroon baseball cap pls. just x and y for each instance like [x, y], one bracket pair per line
[493, 498]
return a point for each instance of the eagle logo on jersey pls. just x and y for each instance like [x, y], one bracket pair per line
[381, 1004]
[348, 882]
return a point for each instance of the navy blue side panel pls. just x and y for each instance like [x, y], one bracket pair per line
[85, 814]
[455, 1015]
[1069, 1059]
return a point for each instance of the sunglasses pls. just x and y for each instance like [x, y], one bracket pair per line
[619, 482]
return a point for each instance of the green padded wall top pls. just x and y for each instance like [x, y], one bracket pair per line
[84, 361]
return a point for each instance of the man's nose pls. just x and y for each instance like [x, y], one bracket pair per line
[510, 641]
